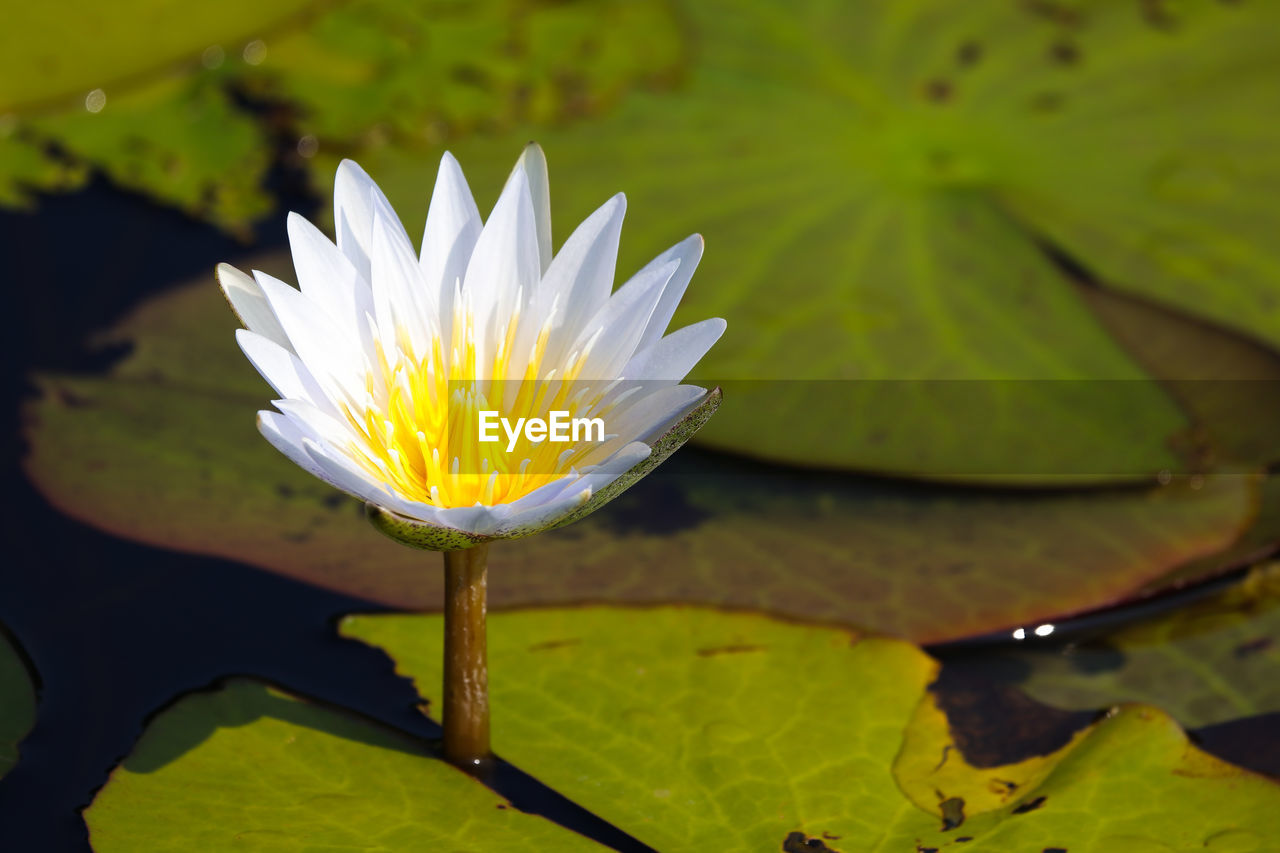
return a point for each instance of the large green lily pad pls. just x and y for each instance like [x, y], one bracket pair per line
[1208, 663]
[163, 450]
[17, 703]
[694, 729]
[246, 767]
[876, 181]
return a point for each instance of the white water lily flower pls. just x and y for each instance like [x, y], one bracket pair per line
[386, 358]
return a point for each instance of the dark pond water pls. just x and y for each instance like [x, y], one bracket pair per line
[116, 631]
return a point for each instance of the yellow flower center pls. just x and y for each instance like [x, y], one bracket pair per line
[419, 428]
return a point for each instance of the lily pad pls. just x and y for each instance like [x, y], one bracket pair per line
[246, 767]
[50, 53]
[143, 90]
[1208, 663]
[694, 729]
[163, 450]
[877, 183]
[17, 703]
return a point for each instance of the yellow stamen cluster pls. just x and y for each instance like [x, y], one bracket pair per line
[418, 428]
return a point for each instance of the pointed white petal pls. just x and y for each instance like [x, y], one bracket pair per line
[688, 252]
[249, 303]
[344, 476]
[453, 225]
[609, 338]
[672, 357]
[328, 278]
[333, 359]
[287, 437]
[533, 162]
[334, 434]
[503, 266]
[354, 197]
[283, 370]
[404, 308]
[646, 418]
[580, 277]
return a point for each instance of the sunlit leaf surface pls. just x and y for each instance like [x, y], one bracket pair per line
[164, 450]
[246, 767]
[694, 729]
[1208, 663]
[17, 703]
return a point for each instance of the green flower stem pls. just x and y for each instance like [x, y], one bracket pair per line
[466, 667]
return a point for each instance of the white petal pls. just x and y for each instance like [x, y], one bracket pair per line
[648, 417]
[503, 266]
[327, 277]
[672, 357]
[404, 309]
[324, 348]
[472, 519]
[688, 252]
[287, 437]
[619, 462]
[521, 514]
[453, 225]
[533, 162]
[334, 434]
[283, 370]
[344, 476]
[610, 337]
[354, 197]
[250, 305]
[580, 277]
[539, 515]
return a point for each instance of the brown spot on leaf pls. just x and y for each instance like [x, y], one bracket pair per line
[1064, 52]
[554, 644]
[1030, 805]
[798, 842]
[1157, 15]
[1055, 12]
[733, 649]
[1047, 102]
[1002, 787]
[968, 54]
[939, 91]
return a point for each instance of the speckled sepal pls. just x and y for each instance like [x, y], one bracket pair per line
[421, 534]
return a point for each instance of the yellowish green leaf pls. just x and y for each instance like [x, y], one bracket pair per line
[694, 729]
[246, 767]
